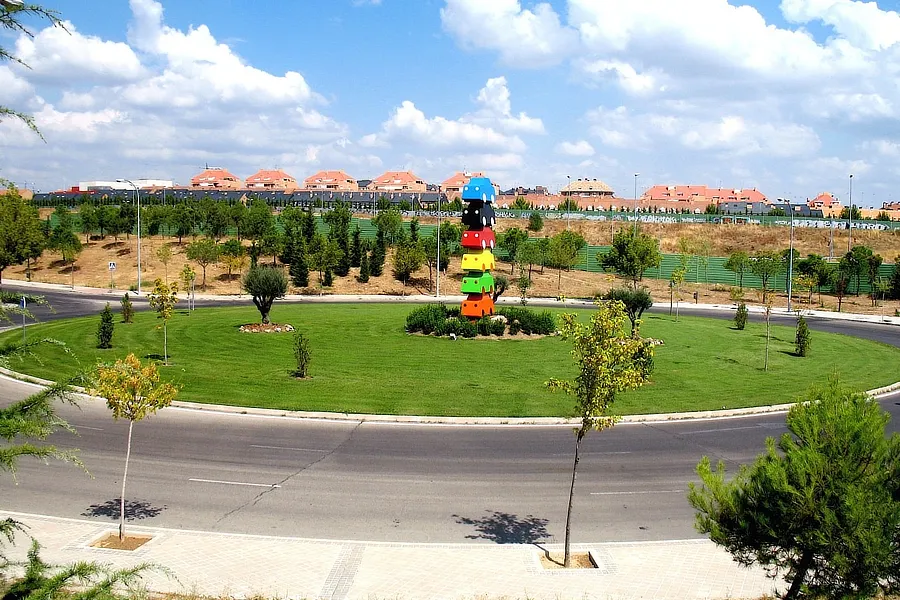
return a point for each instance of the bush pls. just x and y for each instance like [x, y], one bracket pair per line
[644, 358]
[740, 317]
[498, 327]
[528, 321]
[302, 354]
[427, 319]
[105, 330]
[127, 309]
[483, 325]
[803, 338]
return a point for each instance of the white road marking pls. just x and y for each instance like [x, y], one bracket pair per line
[86, 427]
[718, 430]
[267, 485]
[637, 493]
[286, 448]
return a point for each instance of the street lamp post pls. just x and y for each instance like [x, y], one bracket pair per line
[636, 175]
[569, 189]
[850, 215]
[790, 277]
[437, 272]
[137, 195]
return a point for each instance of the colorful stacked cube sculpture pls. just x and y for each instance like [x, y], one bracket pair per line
[478, 241]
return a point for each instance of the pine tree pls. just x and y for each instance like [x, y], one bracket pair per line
[363, 268]
[803, 337]
[328, 280]
[127, 309]
[299, 269]
[356, 248]
[105, 330]
[379, 253]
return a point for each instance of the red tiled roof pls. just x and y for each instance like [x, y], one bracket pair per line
[209, 176]
[328, 177]
[264, 175]
[460, 179]
[395, 177]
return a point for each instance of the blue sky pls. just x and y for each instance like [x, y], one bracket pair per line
[788, 96]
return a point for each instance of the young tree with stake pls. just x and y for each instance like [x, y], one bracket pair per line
[163, 299]
[606, 359]
[133, 391]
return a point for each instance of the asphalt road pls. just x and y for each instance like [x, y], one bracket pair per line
[383, 482]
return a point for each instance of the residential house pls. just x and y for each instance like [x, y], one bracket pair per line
[397, 181]
[216, 178]
[271, 180]
[332, 181]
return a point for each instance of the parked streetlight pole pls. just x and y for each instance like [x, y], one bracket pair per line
[137, 195]
[566, 202]
[437, 273]
[850, 215]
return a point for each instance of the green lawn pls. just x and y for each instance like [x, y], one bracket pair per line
[363, 361]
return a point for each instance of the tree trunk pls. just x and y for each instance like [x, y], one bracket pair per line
[579, 436]
[124, 477]
[166, 342]
[767, 341]
[800, 575]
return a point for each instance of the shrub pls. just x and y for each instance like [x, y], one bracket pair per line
[528, 321]
[302, 355]
[127, 309]
[483, 325]
[644, 358]
[105, 330]
[803, 338]
[498, 327]
[427, 319]
[740, 317]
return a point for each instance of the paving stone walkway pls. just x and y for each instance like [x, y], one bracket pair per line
[219, 564]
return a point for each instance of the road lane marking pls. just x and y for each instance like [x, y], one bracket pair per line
[286, 448]
[717, 430]
[637, 493]
[266, 485]
[86, 427]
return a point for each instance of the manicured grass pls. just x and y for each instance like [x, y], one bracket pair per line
[363, 361]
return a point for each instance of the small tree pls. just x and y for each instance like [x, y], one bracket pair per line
[363, 268]
[635, 303]
[740, 317]
[535, 222]
[607, 365]
[164, 254]
[163, 299]
[766, 265]
[302, 355]
[675, 283]
[233, 256]
[408, 258]
[768, 308]
[512, 241]
[127, 309]
[265, 284]
[133, 391]
[820, 506]
[105, 330]
[523, 283]
[632, 252]
[205, 252]
[738, 263]
[803, 338]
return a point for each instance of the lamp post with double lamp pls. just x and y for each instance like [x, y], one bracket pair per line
[636, 175]
[137, 195]
[850, 216]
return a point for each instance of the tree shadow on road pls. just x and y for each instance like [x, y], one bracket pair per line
[506, 528]
[135, 510]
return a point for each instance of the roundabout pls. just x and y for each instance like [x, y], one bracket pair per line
[387, 482]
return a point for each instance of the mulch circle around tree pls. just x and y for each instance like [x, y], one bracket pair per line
[554, 560]
[267, 328]
[111, 541]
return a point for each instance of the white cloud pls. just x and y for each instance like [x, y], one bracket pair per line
[734, 134]
[625, 75]
[863, 24]
[496, 110]
[522, 37]
[67, 56]
[409, 124]
[579, 148]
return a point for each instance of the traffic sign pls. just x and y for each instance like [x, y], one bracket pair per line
[112, 266]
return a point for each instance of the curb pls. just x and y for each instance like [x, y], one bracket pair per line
[455, 421]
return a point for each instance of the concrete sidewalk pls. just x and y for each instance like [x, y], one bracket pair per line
[219, 564]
